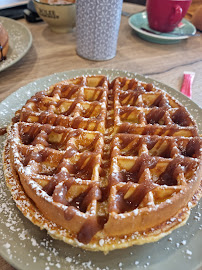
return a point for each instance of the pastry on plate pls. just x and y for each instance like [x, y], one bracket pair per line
[104, 165]
[4, 43]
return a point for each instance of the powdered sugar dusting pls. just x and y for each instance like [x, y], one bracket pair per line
[17, 233]
[17, 99]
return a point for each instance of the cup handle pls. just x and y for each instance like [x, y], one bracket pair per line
[176, 15]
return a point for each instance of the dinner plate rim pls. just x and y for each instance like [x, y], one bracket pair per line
[68, 74]
[26, 30]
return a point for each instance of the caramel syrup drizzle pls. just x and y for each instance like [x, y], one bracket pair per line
[94, 192]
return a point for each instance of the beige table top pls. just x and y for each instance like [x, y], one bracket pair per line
[52, 53]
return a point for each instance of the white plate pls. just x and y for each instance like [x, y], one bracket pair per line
[24, 246]
[20, 41]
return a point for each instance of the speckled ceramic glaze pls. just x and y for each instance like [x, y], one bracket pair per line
[59, 17]
[27, 247]
[20, 41]
[97, 23]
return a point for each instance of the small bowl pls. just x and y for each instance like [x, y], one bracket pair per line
[60, 16]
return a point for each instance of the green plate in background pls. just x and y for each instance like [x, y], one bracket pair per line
[139, 21]
[25, 246]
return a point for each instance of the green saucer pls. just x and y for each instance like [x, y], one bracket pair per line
[140, 24]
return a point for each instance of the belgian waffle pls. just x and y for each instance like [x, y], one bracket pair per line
[104, 165]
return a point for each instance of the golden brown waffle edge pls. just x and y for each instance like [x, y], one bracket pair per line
[104, 188]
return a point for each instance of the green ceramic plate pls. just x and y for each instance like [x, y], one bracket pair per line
[20, 41]
[24, 246]
[139, 22]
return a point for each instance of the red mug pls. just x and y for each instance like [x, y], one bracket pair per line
[165, 15]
